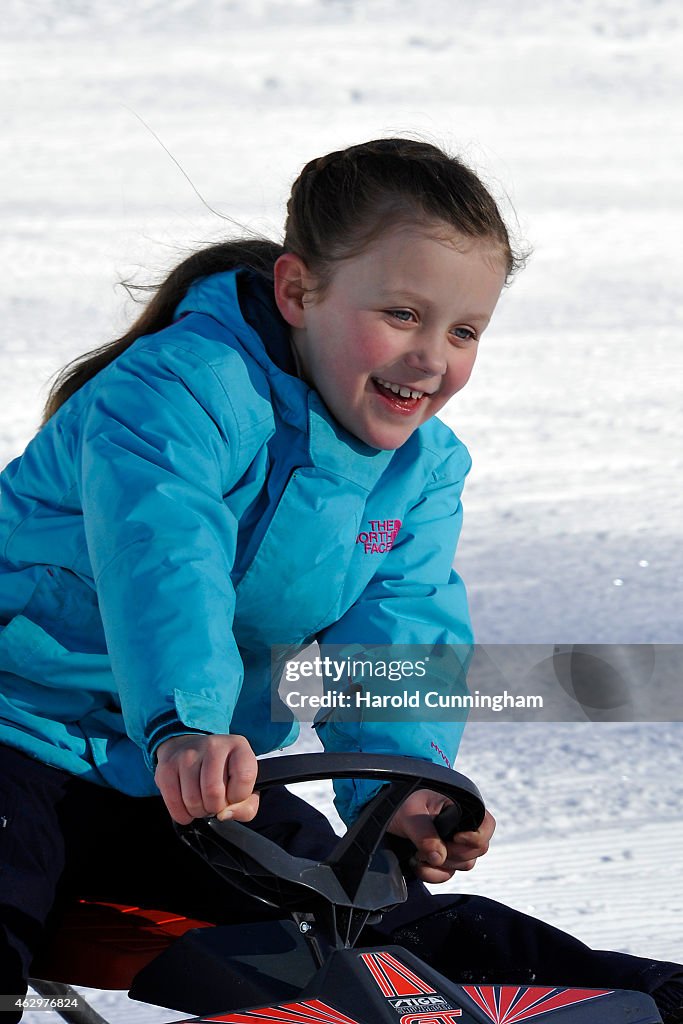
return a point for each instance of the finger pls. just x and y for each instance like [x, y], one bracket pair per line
[435, 875]
[464, 848]
[190, 789]
[459, 865]
[169, 787]
[425, 873]
[467, 839]
[213, 781]
[466, 865]
[483, 834]
[246, 810]
[488, 826]
[431, 849]
[242, 771]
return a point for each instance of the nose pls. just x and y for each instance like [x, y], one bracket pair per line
[428, 356]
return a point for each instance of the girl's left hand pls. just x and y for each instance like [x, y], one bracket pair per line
[435, 860]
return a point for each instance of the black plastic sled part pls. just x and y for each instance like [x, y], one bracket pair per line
[210, 969]
[390, 986]
[357, 880]
[331, 901]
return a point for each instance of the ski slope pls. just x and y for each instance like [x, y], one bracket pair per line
[573, 510]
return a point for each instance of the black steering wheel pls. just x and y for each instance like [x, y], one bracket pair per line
[356, 880]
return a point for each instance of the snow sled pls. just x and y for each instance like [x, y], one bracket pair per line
[305, 968]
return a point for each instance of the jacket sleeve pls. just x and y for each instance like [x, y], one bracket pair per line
[158, 454]
[414, 599]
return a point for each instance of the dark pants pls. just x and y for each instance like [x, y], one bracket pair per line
[62, 838]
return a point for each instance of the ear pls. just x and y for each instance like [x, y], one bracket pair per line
[292, 280]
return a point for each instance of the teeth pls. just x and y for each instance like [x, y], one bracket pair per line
[399, 389]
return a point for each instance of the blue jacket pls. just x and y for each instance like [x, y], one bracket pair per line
[190, 506]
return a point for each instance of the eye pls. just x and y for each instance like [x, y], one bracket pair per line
[464, 333]
[403, 315]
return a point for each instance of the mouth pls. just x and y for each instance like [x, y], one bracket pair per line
[401, 390]
[399, 397]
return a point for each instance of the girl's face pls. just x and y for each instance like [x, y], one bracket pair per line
[395, 333]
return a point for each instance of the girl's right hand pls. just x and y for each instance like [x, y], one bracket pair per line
[199, 776]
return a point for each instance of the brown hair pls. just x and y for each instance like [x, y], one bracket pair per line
[342, 202]
[338, 205]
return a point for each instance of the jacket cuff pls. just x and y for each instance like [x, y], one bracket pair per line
[163, 728]
[189, 713]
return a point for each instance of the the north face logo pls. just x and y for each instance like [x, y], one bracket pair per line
[380, 537]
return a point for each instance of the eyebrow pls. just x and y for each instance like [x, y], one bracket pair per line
[401, 293]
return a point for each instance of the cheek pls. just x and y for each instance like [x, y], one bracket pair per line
[361, 356]
[375, 349]
[352, 345]
[461, 372]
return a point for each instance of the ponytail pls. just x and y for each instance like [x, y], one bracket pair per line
[256, 254]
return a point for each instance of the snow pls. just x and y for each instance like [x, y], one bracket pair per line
[574, 507]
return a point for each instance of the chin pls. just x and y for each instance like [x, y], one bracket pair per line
[382, 436]
[385, 440]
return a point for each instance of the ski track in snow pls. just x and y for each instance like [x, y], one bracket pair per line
[573, 508]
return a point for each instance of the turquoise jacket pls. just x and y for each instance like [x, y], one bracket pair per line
[189, 507]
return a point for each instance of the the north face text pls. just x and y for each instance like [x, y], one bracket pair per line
[380, 537]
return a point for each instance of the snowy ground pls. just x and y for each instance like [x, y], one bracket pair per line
[574, 506]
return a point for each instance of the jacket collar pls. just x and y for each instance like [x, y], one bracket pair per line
[331, 447]
[334, 449]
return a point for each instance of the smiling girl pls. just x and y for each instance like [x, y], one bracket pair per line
[394, 334]
[194, 497]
